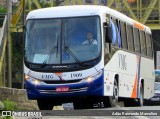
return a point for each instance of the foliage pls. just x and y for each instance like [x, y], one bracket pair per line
[44, 4]
[7, 117]
[17, 56]
[2, 11]
[9, 105]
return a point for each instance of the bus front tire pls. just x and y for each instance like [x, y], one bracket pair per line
[83, 105]
[44, 104]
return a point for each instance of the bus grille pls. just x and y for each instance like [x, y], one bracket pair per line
[61, 82]
[71, 91]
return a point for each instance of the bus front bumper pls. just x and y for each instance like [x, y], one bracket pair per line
[94, 88]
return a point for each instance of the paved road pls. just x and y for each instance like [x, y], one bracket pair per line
[119, 112]
[145, 112]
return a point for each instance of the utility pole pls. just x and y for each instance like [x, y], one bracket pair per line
[22, 82]
[9, 44]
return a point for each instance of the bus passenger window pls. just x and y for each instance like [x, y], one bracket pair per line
[123, 35]
[130, 38]
[119, 34]
[116, 39]
[143, 43]
[148, 44]
[115, 32]
[136, 40]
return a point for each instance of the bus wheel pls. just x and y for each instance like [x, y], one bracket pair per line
[135, 102]
[112, 101]
[77, 105]
[130, 102]
[45, 104]
[141, 98]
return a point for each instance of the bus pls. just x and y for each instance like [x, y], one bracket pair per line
[60, 68]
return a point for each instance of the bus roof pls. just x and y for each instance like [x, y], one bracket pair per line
[83, 10]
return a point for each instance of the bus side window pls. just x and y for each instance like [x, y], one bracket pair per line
[119, 33]
[114, 32]
[136, 40]
[143, 44]
[148, 44]
[123, 35]
[130, 38]
[117, 40]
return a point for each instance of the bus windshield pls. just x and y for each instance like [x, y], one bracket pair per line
[63, 40]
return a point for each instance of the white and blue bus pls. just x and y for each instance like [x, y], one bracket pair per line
[60, 68]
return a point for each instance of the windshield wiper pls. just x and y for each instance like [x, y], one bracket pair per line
[76, 59]
[52, 51]
[72, 54]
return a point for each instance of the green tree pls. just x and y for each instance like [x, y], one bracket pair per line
[2, 14]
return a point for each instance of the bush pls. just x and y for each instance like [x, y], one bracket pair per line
[9, 105]
[3, 10]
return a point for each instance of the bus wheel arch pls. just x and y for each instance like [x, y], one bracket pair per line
[139, 101]
[112, 101]
[116, 87]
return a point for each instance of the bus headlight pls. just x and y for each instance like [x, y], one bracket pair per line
[32, 80]
[93, 77]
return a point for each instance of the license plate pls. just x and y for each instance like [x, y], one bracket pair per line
[62, 89]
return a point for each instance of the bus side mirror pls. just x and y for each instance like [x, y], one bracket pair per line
[106, 32]
[107, 27]
[108, 20]
[24, 30]
[24, 27]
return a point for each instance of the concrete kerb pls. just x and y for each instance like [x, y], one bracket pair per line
[19, 96]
